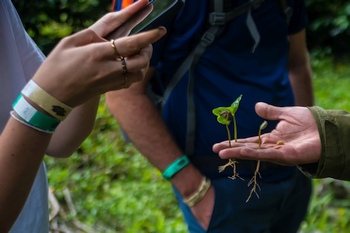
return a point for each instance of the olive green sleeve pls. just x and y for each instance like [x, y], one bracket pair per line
[334, 130]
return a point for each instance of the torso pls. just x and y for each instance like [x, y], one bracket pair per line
[227, 69]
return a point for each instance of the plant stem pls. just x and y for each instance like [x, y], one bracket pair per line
[235, 128]
[228, 136]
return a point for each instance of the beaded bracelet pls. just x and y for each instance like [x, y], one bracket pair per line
[196, 197]
[46, 101]
[33, 117]
[175, 167]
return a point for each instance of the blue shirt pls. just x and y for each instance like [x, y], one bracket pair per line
[227, 69]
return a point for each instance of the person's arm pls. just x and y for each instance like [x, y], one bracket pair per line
[334, 130]
[21, 152]
[82, 67]
[144, 126]
[72, 131]
[300, 73]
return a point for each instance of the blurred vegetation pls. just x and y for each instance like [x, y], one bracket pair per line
[50, 20]
[330, 207]
[107, 186]
[47, 21]
[112, 187]
[328, 27]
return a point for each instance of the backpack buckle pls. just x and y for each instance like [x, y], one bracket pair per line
[217, 18]
[208, 38]
[256, 3]
[288, 13]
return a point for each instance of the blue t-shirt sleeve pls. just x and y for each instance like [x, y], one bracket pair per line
[298, 19]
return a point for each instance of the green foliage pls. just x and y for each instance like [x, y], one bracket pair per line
[330, 210]
[113, 187]
[331, 81]
[48, 21]
[329, 23]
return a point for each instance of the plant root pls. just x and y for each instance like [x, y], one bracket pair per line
[254, 182]
[232, 163]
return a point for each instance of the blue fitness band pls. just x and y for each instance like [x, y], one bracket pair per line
[175, 167]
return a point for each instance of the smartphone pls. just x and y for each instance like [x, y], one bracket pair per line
[153, 15]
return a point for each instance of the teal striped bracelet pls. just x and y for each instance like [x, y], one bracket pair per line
[33, 117]
[175, 167]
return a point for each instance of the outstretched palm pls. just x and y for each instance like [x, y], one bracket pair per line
[295, 140]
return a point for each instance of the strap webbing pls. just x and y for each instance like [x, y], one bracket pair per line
[217, 20]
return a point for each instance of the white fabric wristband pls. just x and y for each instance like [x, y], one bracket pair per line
[33, 117]
[46, 101]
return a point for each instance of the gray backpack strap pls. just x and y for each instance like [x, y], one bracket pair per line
[217, 20]
[285, 8]
[193, 57]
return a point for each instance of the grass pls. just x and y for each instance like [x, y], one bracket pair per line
[107, 186]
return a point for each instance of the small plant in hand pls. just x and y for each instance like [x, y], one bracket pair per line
[224, 116]
[253, 181]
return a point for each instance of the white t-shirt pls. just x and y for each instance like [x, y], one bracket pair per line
[19, 59]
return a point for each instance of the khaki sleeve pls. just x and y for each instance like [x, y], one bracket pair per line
[334, 130]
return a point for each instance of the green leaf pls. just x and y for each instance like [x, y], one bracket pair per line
[225, 114]
[234, 106]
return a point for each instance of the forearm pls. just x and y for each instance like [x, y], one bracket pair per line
[334, 130]
[21, 152]
[300, 73]
[144, 126]
[301, 82]
[74, 129]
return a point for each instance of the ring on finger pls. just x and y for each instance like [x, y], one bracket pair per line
[116, 53]
[125, 71]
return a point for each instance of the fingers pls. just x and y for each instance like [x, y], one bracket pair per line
[128, 46]
[139, 61]
[250, 152]
[267, 111]
[81, 38]
[123, 47]
[110, 21]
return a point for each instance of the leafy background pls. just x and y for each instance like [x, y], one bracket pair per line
[107, 186]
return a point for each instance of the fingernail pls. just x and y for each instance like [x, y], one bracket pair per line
[162, 30]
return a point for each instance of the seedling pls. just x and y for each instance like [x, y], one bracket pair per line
[256, 173]
[224, 116]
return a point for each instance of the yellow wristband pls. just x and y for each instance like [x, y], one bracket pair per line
[46, 101]
[196, 197]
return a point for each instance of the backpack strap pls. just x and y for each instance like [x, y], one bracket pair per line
[285, 8]
[217, 22]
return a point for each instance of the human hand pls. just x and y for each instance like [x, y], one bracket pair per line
[295, 140]
[109, 22]
[203, 210]
[84, 65]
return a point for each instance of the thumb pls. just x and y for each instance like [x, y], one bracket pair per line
[267, 111]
